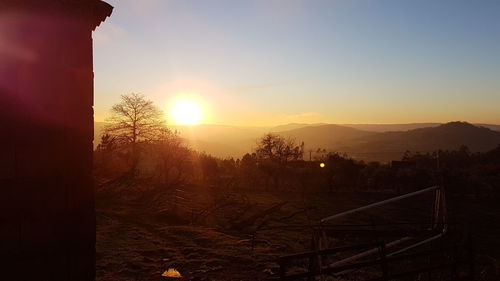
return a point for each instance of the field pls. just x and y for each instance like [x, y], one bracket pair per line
[142, 234]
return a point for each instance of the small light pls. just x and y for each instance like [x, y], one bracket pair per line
[322, 165]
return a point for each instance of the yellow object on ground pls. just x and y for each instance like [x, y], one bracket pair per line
[172, 272]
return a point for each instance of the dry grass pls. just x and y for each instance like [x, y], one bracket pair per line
[139, 240]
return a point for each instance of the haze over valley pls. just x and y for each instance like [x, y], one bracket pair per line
[369, 142]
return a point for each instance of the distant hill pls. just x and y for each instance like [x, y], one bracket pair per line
[490, 126]
[328, 137]
[392, 145]
[293, 126]
[391, 127]
[371, 142]
[376, 127]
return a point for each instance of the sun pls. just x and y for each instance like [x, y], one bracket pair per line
[186, 112]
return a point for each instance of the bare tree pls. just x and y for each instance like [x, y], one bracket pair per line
[273, 152]
[133, 120]
[278, 149]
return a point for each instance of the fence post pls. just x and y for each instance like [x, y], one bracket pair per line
[383, 260]
[313, 260]
[437, 209]
[316, 246]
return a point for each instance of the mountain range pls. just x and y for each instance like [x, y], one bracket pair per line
[369, 142]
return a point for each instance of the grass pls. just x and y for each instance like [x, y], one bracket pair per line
[139, 238]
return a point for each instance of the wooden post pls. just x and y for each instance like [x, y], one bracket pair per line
[444, 212]
[437, 209]
[316, 246]
[383, 260]
[313, 259]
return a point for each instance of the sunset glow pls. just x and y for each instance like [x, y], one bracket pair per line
[186, 112]
[380, 64]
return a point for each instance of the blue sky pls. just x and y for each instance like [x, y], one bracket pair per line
[279, 61]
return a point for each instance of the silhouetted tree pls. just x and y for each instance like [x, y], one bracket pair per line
[108, 144]
[209, 168]
[133, 120]
[343, 172]
[104, 153]
[278, 149]
[175, 158]
[249, 171]
[273, 152]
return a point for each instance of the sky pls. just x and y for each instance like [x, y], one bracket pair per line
[270, 62]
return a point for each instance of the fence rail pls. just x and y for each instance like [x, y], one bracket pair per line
[383, 262]
[380, 257]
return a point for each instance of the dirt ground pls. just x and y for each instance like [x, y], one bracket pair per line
[139, 238]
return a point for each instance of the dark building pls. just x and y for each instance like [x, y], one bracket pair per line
[47, 219]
